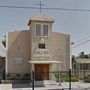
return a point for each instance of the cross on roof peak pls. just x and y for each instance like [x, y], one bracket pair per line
[40, 4]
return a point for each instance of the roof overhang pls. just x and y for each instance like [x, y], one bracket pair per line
[45, 62]
[83, 61]
[38, 21]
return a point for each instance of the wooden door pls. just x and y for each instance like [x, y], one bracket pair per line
[41, 71]
[46, 72]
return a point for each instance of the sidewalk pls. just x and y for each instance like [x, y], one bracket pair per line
[65, 86]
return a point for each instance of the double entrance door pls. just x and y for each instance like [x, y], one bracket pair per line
[41, 71]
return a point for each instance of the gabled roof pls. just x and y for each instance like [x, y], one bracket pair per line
[40, 17]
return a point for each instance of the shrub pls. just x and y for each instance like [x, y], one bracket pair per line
[66, 78]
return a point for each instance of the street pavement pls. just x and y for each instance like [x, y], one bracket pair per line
[63, 86]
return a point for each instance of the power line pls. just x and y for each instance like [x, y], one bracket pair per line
[67, 9]
[81, 43]
[49, 8]
[82, 39]
[22, 7]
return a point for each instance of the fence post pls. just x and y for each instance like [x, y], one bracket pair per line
[84, 74]
[69, 79]
[32, 80]
[59, 79]
[0, 80]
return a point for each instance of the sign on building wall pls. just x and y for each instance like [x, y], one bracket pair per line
[42, 53]
[19, 60]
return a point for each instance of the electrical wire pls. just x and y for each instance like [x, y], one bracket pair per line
[81, 43]
[81, 39]
[49, 8]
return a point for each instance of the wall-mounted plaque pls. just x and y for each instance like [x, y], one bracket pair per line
[19, 60]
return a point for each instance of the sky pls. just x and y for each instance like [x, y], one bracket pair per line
[75, 23]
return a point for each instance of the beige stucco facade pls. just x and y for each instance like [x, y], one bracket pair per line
[22, 48]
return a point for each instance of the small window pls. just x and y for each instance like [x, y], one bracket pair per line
[45, 30]
[41, 30]
[38, 30]
[41, 46]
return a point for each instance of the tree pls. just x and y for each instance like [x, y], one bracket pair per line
[83, 55]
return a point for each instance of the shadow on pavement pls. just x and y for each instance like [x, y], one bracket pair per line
[21, 85]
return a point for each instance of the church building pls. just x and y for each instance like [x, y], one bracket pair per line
[38, 49]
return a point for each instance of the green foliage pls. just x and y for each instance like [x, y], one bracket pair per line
[82, 55]
[9, 78]
[67, 78]
[87, 79]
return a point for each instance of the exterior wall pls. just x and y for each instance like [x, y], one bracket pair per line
[81, 64]
[57, 47]
[60, 50]
[36, 53]
[24, 44]
[18, 47]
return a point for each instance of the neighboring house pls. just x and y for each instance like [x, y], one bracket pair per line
[2, 67]
[39, 49]
[81, 66]
[2, 62]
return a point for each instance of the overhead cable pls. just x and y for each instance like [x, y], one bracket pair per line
[48, 8]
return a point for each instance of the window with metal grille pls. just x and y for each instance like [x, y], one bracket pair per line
[38, 29]
[41, 30]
